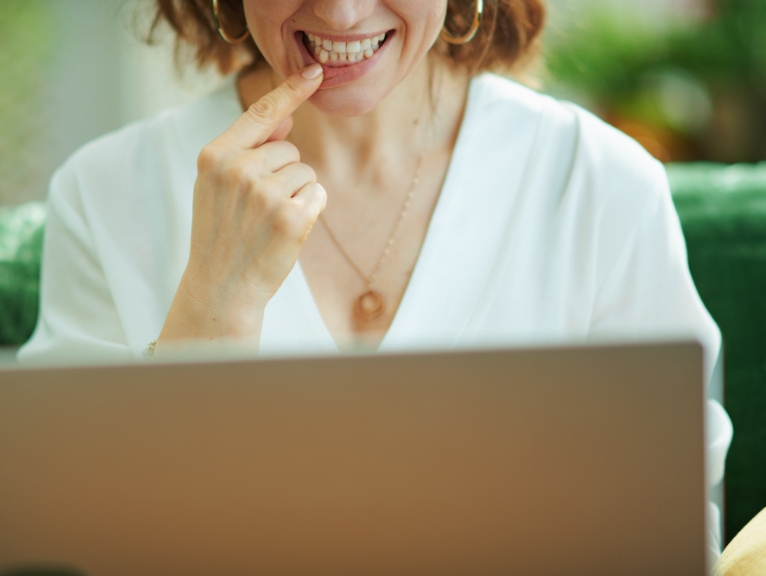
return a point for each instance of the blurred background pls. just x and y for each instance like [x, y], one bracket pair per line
[71, 70]
[686, 78]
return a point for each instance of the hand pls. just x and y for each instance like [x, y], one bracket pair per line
[746, 553]
[254, 206]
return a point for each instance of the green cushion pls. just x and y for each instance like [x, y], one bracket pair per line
[723, 213]
[21, 243]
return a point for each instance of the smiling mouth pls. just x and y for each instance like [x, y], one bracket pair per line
[331, 53]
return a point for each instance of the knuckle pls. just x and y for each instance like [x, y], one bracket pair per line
[311, 203]
[321, 197]
[309, 173]
[255, 191]
[317, 200]
[209, 158]
[291, 150]
[299, 175]
[285, 223]
[262, 111]
[242, 174]
[292, 85]
[293, 91]
[281, 149]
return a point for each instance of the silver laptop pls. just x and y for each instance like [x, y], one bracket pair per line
[581, 460]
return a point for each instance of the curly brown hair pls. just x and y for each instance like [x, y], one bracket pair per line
[507, 41]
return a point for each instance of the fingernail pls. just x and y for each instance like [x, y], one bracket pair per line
[311, 72]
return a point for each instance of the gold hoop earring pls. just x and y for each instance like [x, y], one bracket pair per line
[468, 36]
[222, 33]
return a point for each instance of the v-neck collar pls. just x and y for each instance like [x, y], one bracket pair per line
[458, 258]
[408, 323]
[408, 316]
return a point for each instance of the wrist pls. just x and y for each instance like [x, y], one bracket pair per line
[197, 313]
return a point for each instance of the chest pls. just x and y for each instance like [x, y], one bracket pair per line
[360, 255]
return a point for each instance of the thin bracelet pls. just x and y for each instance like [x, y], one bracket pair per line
[148, 353]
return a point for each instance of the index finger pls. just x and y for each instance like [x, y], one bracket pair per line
[262, 118]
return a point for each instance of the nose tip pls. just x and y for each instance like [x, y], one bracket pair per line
[341, 15]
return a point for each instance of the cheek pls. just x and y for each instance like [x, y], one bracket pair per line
[266, 20]
[422, 28]
[422, 31]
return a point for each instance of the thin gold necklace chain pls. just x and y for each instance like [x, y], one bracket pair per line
[390, 242]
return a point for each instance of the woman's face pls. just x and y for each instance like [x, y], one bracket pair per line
[367, 47]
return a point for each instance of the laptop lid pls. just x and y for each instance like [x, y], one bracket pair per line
[574, 460]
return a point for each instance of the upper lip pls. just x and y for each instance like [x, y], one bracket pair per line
[345, 37]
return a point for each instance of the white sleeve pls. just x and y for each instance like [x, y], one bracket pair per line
[78, 321]
[649, 290]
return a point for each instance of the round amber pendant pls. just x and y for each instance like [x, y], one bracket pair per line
[369, 305]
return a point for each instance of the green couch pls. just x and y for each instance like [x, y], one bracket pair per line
[723, 213]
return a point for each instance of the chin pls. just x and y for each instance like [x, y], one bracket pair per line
[347, 100]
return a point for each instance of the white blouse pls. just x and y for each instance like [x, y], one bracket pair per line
[551, 226]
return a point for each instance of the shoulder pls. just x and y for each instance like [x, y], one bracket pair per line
[579, 181]
[143, 151]
[587, 154]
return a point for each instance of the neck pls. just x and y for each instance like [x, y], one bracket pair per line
[420, 115]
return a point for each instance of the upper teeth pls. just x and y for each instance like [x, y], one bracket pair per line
[344, 51]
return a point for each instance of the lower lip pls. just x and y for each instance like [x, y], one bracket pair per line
[337, 75]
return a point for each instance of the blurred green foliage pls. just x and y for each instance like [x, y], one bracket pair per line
[21, 243]
[701, 85]
[27, 45]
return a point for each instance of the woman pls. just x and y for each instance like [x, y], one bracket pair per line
[364, 180]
